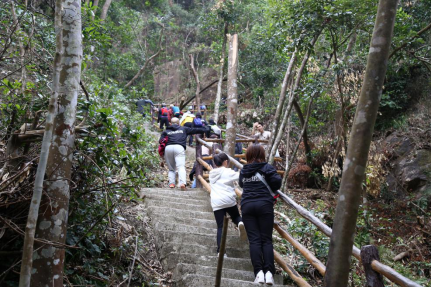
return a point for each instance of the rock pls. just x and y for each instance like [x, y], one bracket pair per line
[409, 169]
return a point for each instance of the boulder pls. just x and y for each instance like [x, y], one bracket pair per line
[409, 168]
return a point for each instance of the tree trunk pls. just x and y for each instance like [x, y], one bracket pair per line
[307, 147]
[198, 83]
[27, 256]
[286, 175]
[104, 11]
[48, 263]
[232, 95]
[340, 248]
[220, 79]
[281, 98]
[95, 4]
[280, 130]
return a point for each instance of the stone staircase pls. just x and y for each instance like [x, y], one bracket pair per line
[185, 232]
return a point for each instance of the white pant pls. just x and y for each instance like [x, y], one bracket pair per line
[175, 156]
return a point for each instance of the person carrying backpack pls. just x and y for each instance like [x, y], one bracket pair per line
[175, 150]
[223, 197]
[164, 116]
[257, 206]
[198, 122]
[176, 111]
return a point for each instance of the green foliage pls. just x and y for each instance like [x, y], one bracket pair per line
[111, 164]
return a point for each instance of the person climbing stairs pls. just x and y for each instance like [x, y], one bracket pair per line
[185, 235]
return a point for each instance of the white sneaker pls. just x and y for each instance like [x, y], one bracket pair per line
[260, 278]
[225, 255]
[269, 279]
[242, 232]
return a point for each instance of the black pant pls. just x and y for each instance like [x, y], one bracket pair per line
[164, 122]
[219, 215]
[189, 125]
[258, 218]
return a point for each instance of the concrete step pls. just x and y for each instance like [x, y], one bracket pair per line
[206, 223]
[208, 281]
[163, 236]
[184, 206]
[162, 197]
[167, 248]
[172, 212]
[208, 260]
[194, 193]
[169, 226]
[183, 268]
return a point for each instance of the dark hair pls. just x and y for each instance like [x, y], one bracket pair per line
[255, 154]
[211, 121]
[219, 159]
[198, 115]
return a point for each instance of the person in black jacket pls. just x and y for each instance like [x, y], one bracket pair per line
[175, 151]
[257, 206]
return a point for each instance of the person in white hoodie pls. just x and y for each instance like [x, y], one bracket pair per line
[223, 197]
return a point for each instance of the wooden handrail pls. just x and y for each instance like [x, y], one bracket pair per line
[238, 140]
[205, 165]
[231, 159]
[221, 252]
[204, 183]
[289, 270]
[377, 266]
[302, 249]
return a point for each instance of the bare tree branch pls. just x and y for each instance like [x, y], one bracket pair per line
[139, 73]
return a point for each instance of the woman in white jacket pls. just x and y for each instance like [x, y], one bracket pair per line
[223, 197]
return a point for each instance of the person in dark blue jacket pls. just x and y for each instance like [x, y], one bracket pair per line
[257, 206]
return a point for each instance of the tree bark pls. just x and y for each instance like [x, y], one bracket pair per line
[286, 175]
[27, 256]
[198, 83]
[48, 262]
[307, 147]
[368, 254]
[281, 98]
[220, 79]
[104, 11]
[95, 4]
[232, 95]
[340, 248]
[280, 130]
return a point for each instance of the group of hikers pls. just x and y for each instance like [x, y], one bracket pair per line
[257, 178]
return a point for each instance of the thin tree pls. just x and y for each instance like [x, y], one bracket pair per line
[342, 237]
[105, 9]
[220, 79]
[281, 98]
[288, 107]
[232, 95]
[198, 83]
[27, 256]
[48, 265]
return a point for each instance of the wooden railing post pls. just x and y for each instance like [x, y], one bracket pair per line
[368, 254]
[199, 169]
[221, 252]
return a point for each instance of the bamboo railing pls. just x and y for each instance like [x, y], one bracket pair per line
[376, 265]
